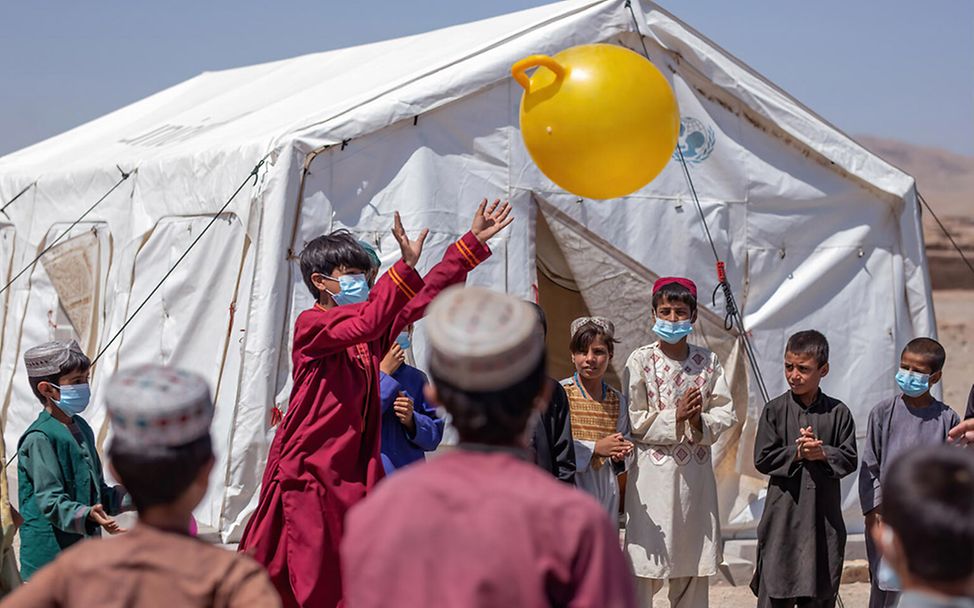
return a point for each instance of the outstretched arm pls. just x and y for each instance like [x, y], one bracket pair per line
[460, 258]
[320, 332]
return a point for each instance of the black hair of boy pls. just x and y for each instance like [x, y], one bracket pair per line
[674, 292]
[931, 351]
[809, 343]
[159, 477]
[76, 362]
[928, 500]
[492, 417]
[330, 251]
[587, 334]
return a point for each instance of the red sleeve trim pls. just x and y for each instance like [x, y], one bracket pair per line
[473, 253]
[401, 283]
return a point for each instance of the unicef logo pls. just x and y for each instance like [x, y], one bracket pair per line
[696, 141]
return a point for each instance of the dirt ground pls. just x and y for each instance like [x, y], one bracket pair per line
[955, 326]
[854, 595]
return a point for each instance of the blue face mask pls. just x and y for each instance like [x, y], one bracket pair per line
[913, 384]
[74, 398]
[404, 341]
[354, 289]
[672, 332]
[886, 577]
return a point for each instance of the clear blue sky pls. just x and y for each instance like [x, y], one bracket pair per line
[896, 69]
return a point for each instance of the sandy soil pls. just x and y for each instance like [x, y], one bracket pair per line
[955, 326]
[854, 595]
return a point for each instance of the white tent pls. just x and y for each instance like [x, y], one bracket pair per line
[815, 230]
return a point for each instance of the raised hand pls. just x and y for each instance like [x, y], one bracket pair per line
[411, 249]
[393, 360]
[489, 221]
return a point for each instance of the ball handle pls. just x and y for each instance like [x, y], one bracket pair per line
[519, 69]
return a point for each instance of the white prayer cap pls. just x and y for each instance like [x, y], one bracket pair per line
[601, 322]
[482, 340]
[158, 406]
[48, 358]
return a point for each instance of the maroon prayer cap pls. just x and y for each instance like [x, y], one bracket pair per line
[690, 285]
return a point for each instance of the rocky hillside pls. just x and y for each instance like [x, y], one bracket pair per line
[946, 181]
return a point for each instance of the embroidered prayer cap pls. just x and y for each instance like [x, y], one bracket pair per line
[482, 340]
[158, 406]
[601, 322]
[48, 358]
[690, 285]
[373, 256]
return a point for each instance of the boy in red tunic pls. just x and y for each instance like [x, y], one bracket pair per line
[325, 454]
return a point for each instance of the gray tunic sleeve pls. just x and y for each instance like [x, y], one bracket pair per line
[870, 490]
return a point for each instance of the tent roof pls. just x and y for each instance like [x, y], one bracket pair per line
[261, 104]
[325, 97]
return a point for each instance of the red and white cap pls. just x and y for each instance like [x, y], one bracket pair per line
[690, 285]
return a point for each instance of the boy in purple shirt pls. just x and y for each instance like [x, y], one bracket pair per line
[410, 426]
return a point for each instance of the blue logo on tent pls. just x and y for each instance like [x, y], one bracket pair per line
[696, 141]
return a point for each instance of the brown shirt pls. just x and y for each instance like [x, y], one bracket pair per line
[149, 568]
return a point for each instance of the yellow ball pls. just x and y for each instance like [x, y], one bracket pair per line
[598, 119]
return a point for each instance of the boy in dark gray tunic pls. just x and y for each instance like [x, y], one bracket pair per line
[806, 443]
[900, 424]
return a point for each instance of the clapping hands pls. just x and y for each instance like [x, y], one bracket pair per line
[809, 447]
[613, 446]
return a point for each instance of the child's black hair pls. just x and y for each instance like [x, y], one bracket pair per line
[930, 350]
[674, 292]
[77, 362]
[928, 499]
[492, 417]
[330, 251]
[587, 334]
[809, 343]
[157, 478]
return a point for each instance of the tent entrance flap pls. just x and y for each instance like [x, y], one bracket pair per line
[583, 273]
[562, 301]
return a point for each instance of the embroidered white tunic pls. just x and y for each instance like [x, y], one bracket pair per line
[672, 522]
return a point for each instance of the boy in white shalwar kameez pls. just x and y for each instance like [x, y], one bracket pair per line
[679, 404]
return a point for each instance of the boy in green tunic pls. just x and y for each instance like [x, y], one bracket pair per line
[63, 496]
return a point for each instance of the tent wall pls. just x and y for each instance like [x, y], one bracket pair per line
[118, 254]
[805, 247]
[815, 231]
